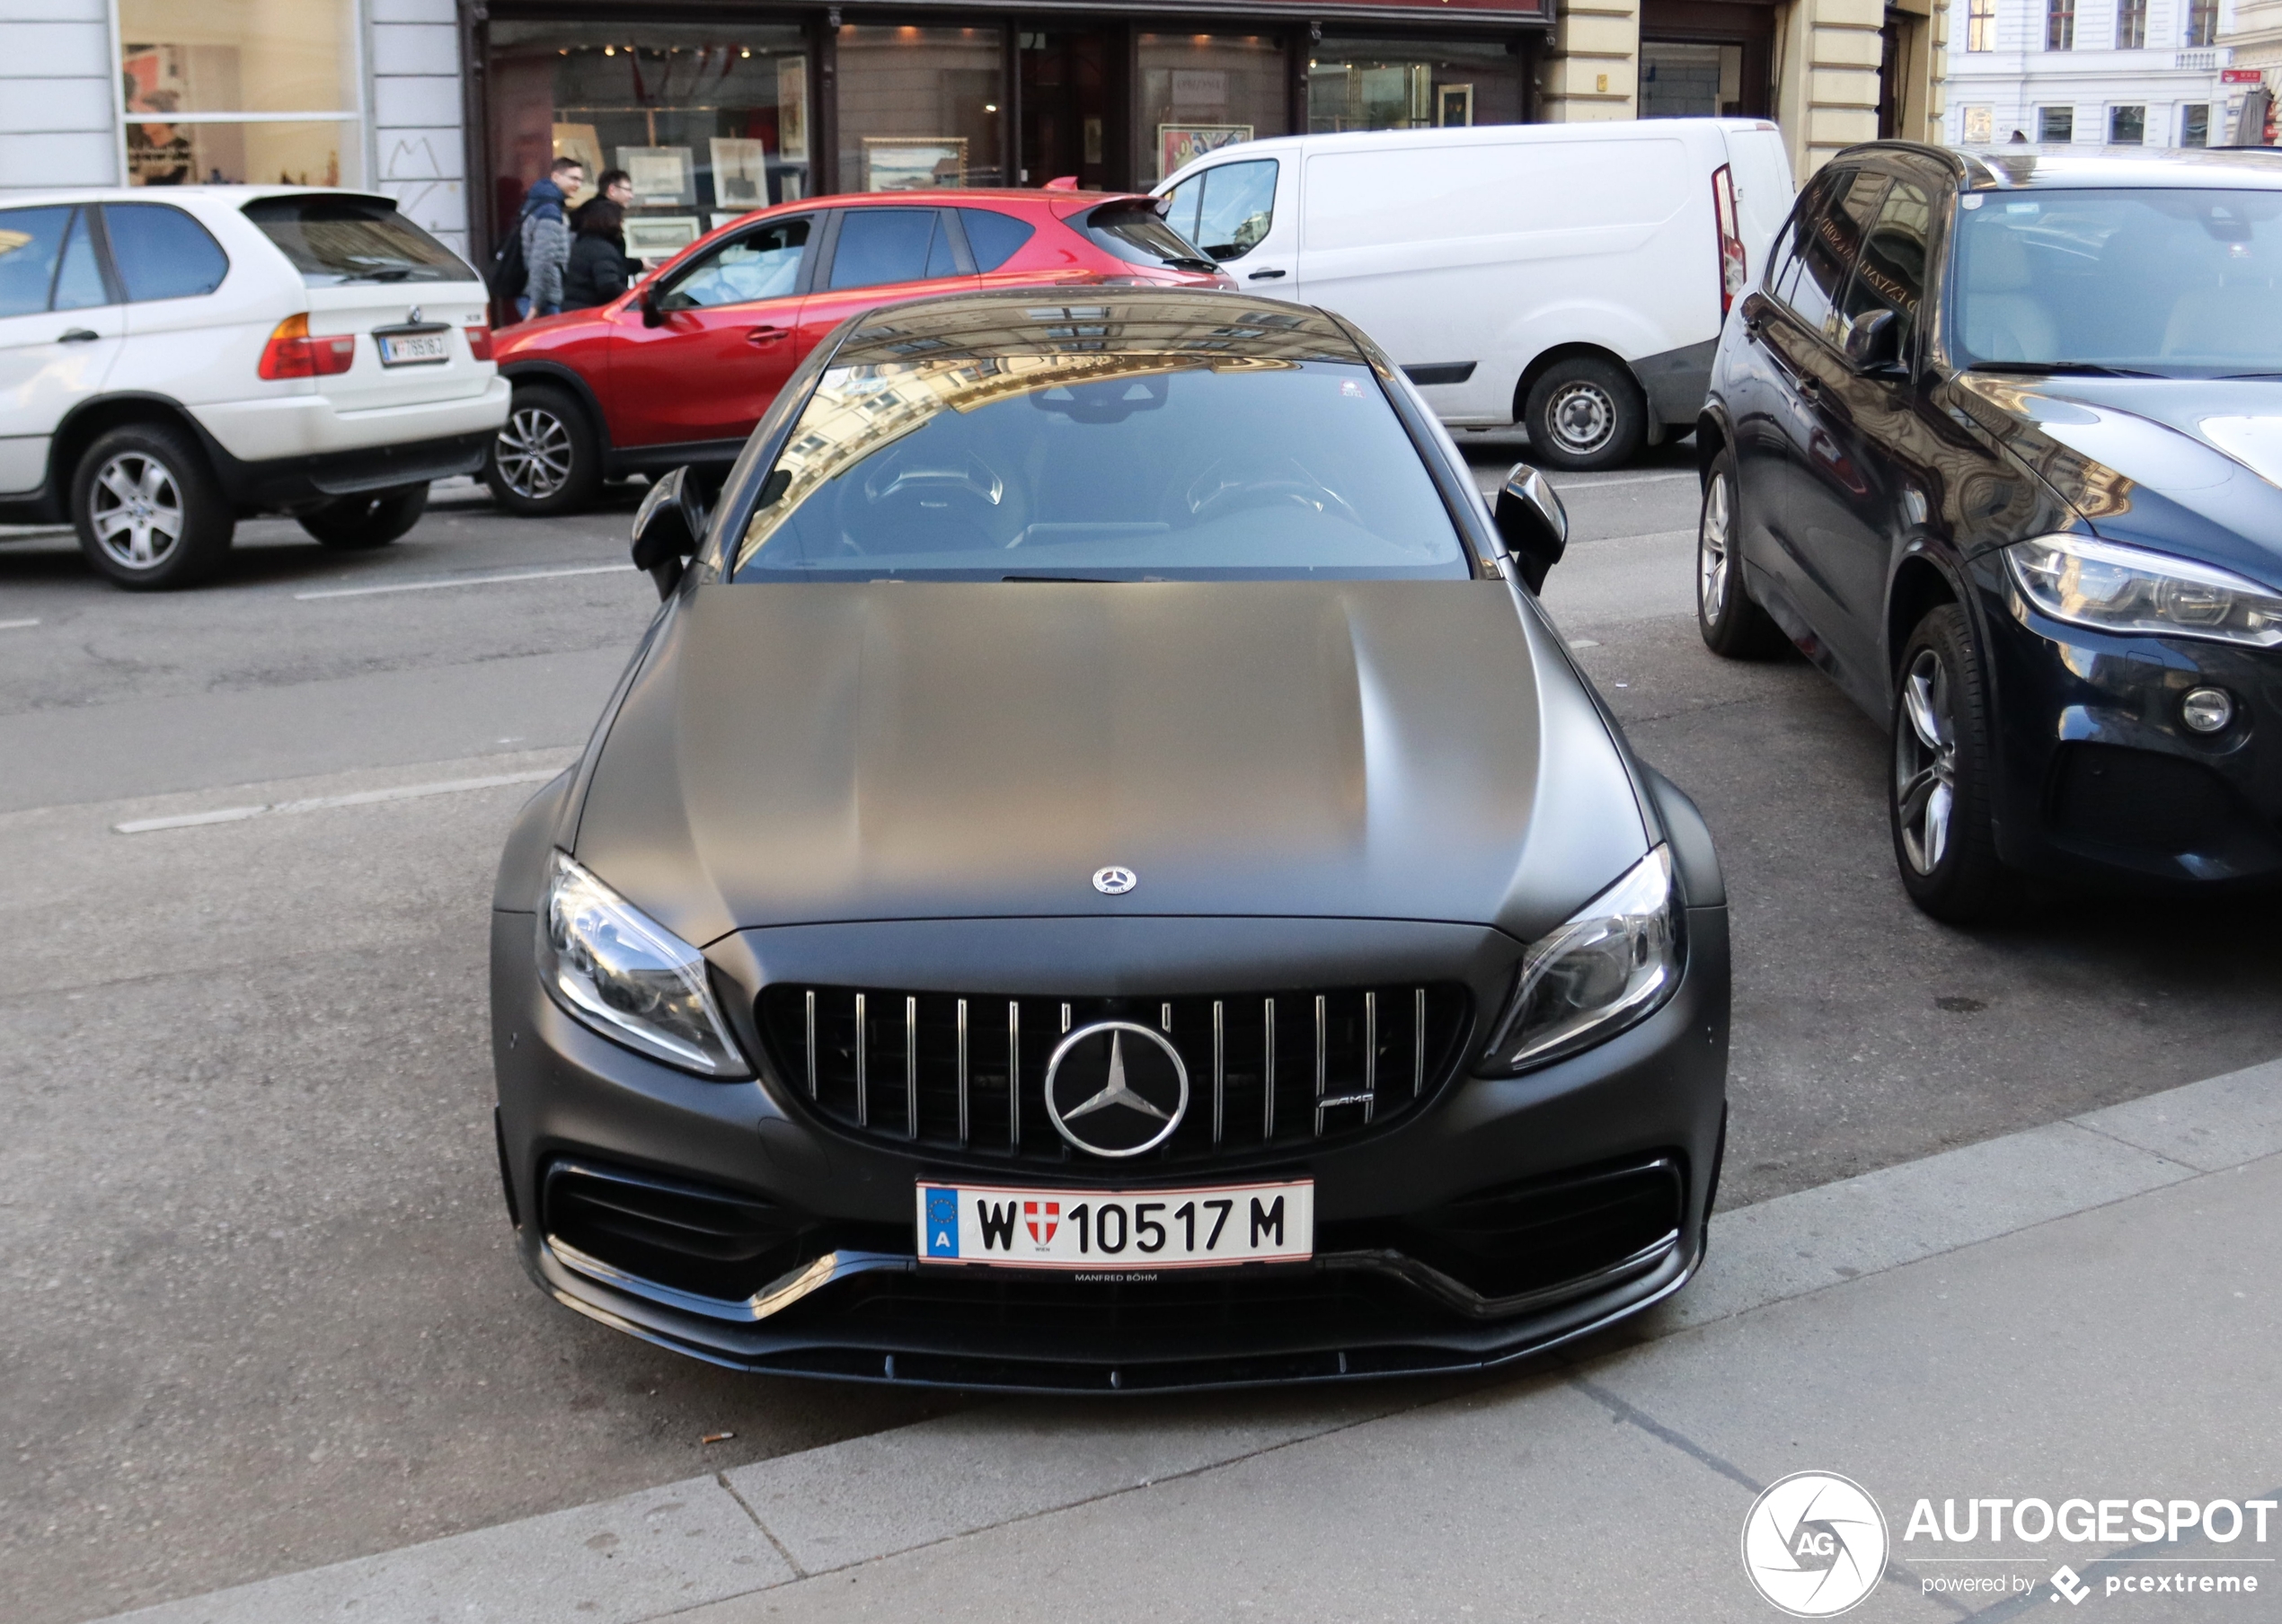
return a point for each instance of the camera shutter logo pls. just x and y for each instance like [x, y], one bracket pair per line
[1814, 1544]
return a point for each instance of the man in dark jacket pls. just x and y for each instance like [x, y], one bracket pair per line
[598, 266]
[546, 237]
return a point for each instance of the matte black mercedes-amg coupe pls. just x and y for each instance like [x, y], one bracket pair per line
[1102, 875]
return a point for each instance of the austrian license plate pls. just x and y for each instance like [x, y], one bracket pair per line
[411, 348]
[1109, 1230]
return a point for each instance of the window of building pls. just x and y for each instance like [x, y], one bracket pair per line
[240, 91]
[708, 122]
[1976, 126]
[1684, 79]
[1980, 25]
[921, 107]
[2126, 126]
[1199, 91]
[2195, 124]
[2202, 22]
[2060, 24]
[2056, 125]
[2131, 24]
[1362, 83]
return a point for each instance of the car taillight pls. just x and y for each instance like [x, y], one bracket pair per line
[478, 340]
[292, 353]
[1734, 272]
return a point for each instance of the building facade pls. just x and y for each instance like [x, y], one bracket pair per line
[454, 106]
[2098, 73]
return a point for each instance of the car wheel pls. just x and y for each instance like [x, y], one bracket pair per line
[545, 459]
[149, 513]
[1585, 413]
[1944, 832]
[1733, 625]
[372, 519]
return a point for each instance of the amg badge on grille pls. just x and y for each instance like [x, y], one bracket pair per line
[1114, 881]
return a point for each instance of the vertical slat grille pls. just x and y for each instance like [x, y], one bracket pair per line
[1299, 1067]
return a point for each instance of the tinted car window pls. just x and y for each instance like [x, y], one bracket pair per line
[1099, 467]
[1228, 209]
[1137, 235]
[31, 240]
[762, 264]
[79, 279]
[1890, 271]
[2175, 282]
[993, 236]
[1827, 240]
[879, 245]
[332, 239]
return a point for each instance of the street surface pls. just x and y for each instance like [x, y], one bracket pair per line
[262, 1310]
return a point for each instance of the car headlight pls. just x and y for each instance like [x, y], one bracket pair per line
[1611, 965]
[2111, 587]
[629, 977]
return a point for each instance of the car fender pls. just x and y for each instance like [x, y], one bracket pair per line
[554, 372]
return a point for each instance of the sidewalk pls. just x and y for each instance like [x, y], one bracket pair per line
[2091, 1309]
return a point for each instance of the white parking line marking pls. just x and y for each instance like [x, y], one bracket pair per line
[467, 581]
[1586, 483]
[362, 797]
[16, 625]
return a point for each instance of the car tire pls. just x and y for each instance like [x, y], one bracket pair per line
[1734, 626]
[1585, 413]
[149, 512]
[373, 519]
[546, 458]
[1939, 791]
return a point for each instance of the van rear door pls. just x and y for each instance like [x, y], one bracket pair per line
[1764, 191]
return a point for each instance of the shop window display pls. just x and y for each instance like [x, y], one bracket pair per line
[189, 76]
[921, 107]
[1201, 91]
[1357, 84]
[708, 122]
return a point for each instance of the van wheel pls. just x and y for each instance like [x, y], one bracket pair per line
[373, 519]
[1585, 413]
[147, 509]
[1733, 626]
[546, 458]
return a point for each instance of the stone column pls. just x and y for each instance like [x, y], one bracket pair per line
[1827, 95]
[1591, 65]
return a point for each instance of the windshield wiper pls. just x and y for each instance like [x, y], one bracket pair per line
[2080, 369]
[1089, 580]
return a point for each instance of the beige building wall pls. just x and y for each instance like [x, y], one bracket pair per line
[1592, 62]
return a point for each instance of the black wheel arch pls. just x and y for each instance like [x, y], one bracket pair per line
[84, 423]
[555, 372]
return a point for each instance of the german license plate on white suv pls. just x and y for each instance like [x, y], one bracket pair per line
[413, 348]
[1104, 1230]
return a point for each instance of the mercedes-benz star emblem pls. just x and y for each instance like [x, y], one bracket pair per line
[1115, 881]
[1114, 1097]
[411, 317]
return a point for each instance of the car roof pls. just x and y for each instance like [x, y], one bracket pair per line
[1048, 320]
[2019, 167]
[228, 197]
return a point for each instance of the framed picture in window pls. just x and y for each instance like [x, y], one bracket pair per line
[1177, 143]
[913, 163]
[1454, 105]
[793, 107]
[741, 173]
[659, 237]
[660, 176]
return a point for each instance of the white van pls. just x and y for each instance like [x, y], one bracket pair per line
[1570, 277]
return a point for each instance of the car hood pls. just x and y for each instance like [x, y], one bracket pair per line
[2185, 465]
[803, 753]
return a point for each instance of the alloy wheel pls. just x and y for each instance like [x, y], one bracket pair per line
[1926, 762]
[137, 509]
[1712, 562]
[1582, 416]
[533, 452]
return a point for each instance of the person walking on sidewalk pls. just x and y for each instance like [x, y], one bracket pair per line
[611, 186]
[598, 267]
[546, 238]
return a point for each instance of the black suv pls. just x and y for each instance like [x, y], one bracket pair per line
[1996, 441]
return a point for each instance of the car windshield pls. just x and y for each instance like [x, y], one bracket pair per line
[1054, 465]
[2171, 282]
[332, 239]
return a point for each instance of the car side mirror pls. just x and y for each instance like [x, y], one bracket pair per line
[1874, 341]
[669, 527]
[1532, 522]
[651, 316]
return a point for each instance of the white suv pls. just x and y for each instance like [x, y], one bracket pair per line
[171, 360]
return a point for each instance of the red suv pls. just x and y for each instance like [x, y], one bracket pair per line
[679, 368]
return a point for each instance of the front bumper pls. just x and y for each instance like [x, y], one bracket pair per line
[851, 1301]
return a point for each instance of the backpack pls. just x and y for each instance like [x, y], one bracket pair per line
[509, 275]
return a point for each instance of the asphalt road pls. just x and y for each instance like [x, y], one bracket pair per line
[259, 1308]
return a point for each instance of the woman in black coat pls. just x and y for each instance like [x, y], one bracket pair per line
[598, 267]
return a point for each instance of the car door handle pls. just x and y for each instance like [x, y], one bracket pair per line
[1266, 276]
[1810, 385]
[79, 335]
[766, 335]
